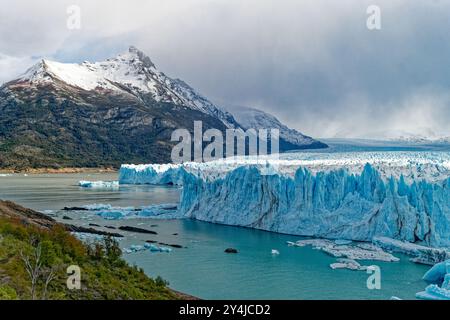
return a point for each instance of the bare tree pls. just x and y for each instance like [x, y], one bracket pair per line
[49, 274]
[33, 265]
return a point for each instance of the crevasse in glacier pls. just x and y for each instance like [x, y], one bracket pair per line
[336, 203]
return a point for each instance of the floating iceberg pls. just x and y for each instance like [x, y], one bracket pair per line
[356, 251]
[109, 212]
[440, 273]
[113, 214]
[437, 273]
[147, 246]
[99, 184]
[355, 196]
[97, 206]
[342, 241]
[350, 264]
[137, 248]
[90, 237]
[421, 254]
[86, 237]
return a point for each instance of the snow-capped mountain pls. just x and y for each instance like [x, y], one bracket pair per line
[103, 113]
[257, 119]
[131, 72]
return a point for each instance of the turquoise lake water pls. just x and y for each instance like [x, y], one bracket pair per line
[203, 269]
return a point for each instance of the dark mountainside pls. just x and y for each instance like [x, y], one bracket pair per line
[57, 125]
[48, 121]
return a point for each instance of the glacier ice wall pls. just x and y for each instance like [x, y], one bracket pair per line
[151, 174]
[334, 204]
[409, 203]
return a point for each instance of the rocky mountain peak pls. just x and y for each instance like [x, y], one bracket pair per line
[146, 61]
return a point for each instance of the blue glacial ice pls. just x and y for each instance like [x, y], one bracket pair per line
[109, 212]
[437, 273]
[147, 246]
[158, 174]
[97, 206]
[419, 253]
[402, 196]
[439, 277]
[90, 237]
[99, 184]
[333, 205]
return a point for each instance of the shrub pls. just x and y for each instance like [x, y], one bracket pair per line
[7, 293]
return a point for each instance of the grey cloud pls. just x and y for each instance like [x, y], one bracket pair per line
[314, 64]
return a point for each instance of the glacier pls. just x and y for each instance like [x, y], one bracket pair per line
[400, 195]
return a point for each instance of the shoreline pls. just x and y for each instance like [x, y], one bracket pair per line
[11, 211]
[59, 170]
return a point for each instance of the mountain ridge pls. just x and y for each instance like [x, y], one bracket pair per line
[99, 114]
[254, 118]
[131, 72]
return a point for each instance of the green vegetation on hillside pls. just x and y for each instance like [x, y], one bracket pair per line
[34, 261]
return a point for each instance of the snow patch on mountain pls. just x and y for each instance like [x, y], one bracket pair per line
[133, 73]
[257, 119]
[130, 72]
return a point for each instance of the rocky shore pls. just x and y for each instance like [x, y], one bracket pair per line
[58, 170]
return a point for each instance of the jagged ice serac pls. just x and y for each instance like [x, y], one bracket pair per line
[355, 196]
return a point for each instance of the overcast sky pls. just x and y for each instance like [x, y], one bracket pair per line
[312, 63]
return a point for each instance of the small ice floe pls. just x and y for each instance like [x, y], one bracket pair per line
[350, 264]
[342, 241]
[99, 184]
[155, 248]
[354, 251]
[97, 206]
[49, 212]
[137, 248]
[157, 211]
[109, 212]
[87, 237]
[420, 254]
[5, 174]
[275, 252]
[439, 279]
[147, 246]
[134, 248]
[395, 298]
